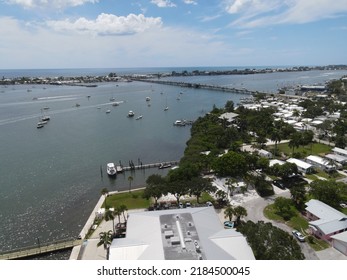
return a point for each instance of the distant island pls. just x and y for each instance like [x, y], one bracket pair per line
[91, 81]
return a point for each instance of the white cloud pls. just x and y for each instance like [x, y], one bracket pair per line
[36, 46]
[108, 24]
[52, 3]
[190, 2]
[254, 13]
[163, 3]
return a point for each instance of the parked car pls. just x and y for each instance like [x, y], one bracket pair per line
[343, 205]
[228, 224]
[279, 184]
[298, 236]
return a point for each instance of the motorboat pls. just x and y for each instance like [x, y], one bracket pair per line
[131, 114]
[148, 98]
[164, 165]
[45, 118]
[180, 123]
[40, 125]
[111, 169]
[108, 111]
[139, 117]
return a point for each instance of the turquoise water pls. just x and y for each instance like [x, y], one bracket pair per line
[50, 177]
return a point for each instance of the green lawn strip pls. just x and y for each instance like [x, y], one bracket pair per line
[315, 149]
[132, 200]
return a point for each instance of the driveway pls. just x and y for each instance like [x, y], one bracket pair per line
[255, 209]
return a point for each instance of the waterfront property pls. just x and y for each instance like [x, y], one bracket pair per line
[179, 234]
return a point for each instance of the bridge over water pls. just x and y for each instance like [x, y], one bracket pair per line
[200, 86]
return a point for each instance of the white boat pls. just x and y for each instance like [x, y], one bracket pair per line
[111, 169]
[45, 118]
[166, 108]
[40, 125]
[108, 111]
[131, 114]
[139, 117]
[180, 123]
[148, 98]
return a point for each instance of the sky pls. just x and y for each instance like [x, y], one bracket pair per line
[51, 34]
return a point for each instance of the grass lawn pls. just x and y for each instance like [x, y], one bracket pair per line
[314, 149]
[299, 223]
[132, 200]
[296, 222]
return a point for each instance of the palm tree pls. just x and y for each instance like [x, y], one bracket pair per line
[105, 192]
[229, 212]
[239, 212]
[123, 208]
[130, 179]
[105, 239]
[109, 215]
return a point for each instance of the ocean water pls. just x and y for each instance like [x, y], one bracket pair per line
[50, 178]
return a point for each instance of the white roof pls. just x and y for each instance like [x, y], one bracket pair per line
[337, 158]
[228, 116]
[340, 236]
[339, 151]
[319, 160]
[330, 220]
[300, 163]
[145, 240]
[272, 162]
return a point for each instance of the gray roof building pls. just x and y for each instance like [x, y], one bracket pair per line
[179, 234]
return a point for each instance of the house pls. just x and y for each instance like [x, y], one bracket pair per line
[338, 159]
[325, 222]
[339, 151]
[339, 242]
[264, 153]
[303, 166]
[321, 163]
[229, 117]
[179, 234]
[272, 162]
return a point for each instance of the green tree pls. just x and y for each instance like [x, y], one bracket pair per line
[229, 212]
[283, 207]
[269, 242]
[109, 215]
[231, 164]
[239, 212]
[328, 191]
[200, 185]
[156, 187]
[122, 209]
[105, 239]
[298, 195]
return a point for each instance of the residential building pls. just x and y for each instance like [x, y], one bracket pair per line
[303, 166]
[179, 234]
[321, 163]
[326, 222]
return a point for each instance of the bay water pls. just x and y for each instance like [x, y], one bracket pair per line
[51, 178]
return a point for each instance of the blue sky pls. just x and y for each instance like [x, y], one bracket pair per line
[164, 33]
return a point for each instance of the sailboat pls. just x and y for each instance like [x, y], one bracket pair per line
[166, 107]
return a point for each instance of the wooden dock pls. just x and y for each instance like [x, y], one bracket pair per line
[37, 250]
[159, 165]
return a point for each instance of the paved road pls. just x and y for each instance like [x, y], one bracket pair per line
[255, 209]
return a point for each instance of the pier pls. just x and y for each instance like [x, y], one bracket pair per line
[159, 165]
[39, 249]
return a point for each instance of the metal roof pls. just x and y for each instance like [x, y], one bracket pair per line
[188, 233]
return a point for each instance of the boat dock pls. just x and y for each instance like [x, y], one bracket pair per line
[159, 165]
[39, 249]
